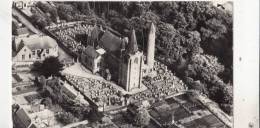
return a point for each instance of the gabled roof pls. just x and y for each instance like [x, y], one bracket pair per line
[90, 51]
[34, 42]
[110, 42]
[23, 118]
[33, 126]
[20, 45]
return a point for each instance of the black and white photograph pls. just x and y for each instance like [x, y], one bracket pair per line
[122, 64]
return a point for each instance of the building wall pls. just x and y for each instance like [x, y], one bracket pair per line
[26, 54]
[93, 64]
[113, 64]
[97, 64]
[131, 73]
[23, 4]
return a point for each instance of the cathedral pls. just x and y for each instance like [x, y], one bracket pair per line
[127, 64]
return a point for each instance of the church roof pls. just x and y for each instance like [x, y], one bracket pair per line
[132, 46]
[110, 42]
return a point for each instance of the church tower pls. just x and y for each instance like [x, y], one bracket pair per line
[130, 71]
[151, 46]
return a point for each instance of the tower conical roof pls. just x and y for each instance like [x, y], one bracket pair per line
[152, 27]
[132, 45]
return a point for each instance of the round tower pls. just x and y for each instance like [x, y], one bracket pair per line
[151, 46]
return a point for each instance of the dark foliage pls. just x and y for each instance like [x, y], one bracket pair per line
[66, 118]
[142, 117]
[50, 66]
[194, 39]
[48, 9]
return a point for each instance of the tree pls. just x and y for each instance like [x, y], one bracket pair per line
[47, 102]
[45, 7]
[39, 20]
[66, 117]
[66, 11]
[36, 67]
[94, 116]
[83, 7]
[50, 66]
[137, 8]
[14, 28]
[142, 118]
[205, 66]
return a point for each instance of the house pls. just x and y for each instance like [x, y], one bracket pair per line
[21, 4]
[31, 48]
[92, 58]
[22, 119]
[25, 118]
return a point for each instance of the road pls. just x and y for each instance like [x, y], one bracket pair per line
[25, 21]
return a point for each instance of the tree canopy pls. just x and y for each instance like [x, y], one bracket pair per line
[142, 117]
[194, 39]
[50, 66]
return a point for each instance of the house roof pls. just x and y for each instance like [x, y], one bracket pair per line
[110, 42]
[34, 42]
[23, 118]
[33, 126]
[20, 45]
[90, 51]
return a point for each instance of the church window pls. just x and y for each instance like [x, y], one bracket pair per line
[23, 57]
